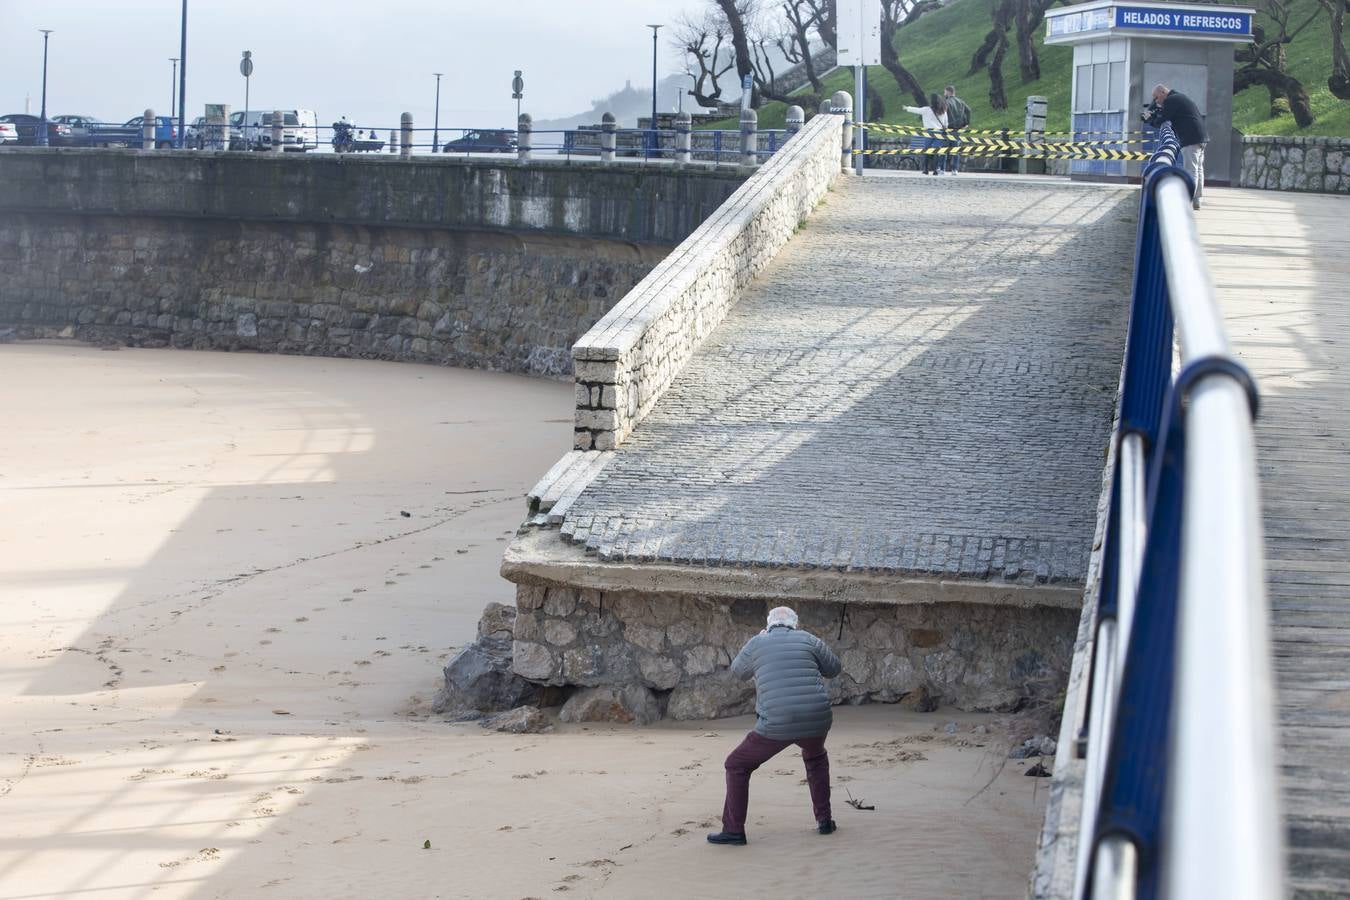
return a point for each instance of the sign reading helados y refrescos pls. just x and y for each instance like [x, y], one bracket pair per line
[1161, 21]
[1185, 20]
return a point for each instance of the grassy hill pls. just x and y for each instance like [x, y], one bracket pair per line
[937, 49]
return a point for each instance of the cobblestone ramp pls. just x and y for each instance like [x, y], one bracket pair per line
[922, 383]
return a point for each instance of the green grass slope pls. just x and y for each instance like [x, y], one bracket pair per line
[937, 50]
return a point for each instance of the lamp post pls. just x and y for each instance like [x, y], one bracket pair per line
[42, 135]
[182, 81]
[655, 29]
[173, 88]
[652, 141]
[436, 122]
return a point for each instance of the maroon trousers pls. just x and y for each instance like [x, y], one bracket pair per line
[754, 752]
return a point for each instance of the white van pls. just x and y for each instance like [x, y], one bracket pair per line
[253, 131]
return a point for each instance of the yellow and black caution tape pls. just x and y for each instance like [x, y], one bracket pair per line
[1010, 143]
[1025, 151]
[1003, 132]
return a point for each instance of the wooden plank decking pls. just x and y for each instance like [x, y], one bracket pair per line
[1281, 263]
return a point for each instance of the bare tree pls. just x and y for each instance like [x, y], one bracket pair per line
[896, 14]
[991, 52]
[1339, 82]
[737, 13]
[703, 41]
[1264, 62]
[1024, 17]
[823, 12]
[795, 40]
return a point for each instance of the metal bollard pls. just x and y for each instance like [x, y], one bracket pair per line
[795, 119]
[684, 127]
[608, 139]
[749, 138]
[278, 131]
[841, 104]
[393, 140]
[148, 124]
[524, 137]
[406, 139]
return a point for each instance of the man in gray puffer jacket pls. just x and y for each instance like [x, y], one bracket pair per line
[789, 667]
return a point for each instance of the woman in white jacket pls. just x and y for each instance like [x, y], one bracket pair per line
[934, 119]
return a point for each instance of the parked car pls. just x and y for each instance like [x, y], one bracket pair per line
[299, 130]
[8, 133]
[28, 128]
[194, 136]
[166, 131]
[78, 131]
[483, 141]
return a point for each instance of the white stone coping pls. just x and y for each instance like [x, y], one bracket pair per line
[647, 338]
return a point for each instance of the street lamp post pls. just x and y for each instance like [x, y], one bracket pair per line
[182, 81]
[652, 144]
[42, 135]
[436, 123]
[173, 88]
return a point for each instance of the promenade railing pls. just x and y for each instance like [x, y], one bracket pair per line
[710, 147]
[1180, 792]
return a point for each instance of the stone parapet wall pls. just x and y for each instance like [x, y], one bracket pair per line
[679, 647]
[481, 300]
[625, 363]
[1320, 164]
[646, 204]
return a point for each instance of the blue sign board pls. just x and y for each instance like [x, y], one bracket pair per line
[1183, 21]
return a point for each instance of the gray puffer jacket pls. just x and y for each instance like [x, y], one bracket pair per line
[789, 667]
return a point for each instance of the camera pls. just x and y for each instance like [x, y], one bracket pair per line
[1151, 115]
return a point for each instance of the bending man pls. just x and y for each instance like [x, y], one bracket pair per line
[1175, 107]
[789, 667]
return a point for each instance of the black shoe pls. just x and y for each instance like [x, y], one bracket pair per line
[727, 837]
[826, 826]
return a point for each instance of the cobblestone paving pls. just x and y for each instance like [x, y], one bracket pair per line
[921, 383]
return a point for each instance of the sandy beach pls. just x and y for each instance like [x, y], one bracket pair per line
[228, 585]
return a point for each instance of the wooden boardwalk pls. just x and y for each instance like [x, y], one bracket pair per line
[1281, 263]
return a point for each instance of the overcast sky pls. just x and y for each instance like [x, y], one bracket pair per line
[367, 59]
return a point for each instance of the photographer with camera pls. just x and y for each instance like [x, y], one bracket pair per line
[1175, 107]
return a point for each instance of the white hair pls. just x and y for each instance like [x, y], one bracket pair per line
[782, 615]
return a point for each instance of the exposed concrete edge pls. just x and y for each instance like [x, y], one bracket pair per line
[1055, 871]
[539, 555]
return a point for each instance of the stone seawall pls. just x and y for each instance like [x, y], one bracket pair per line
[658, 205]
[498, 301]
[1319, 164]
[678, 647]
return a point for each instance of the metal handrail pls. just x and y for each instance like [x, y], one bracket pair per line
[1180, 795]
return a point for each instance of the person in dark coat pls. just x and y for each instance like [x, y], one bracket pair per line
[792, 707]
[1189, 125]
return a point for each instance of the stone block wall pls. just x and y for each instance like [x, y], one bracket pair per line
[481, 300]
[658, 205]
[1319, 164]
[625, 363]
[679, 647]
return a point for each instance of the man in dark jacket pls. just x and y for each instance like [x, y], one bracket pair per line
[1189, 125]
[789, 667]
[958, 117]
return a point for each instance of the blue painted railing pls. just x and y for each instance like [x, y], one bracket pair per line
[1180, 796]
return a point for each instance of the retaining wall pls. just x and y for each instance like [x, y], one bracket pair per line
[625, 363]
[473, 299]
[1319, 164]
[972, 656]
[467, 263]
[652, 204]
